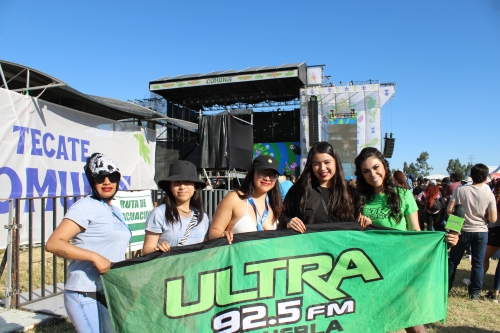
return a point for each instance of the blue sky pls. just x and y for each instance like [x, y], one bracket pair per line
[443, 55]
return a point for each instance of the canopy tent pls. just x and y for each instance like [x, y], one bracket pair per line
[436, 176]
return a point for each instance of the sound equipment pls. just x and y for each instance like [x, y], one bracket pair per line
[389, 146]
[312, 113]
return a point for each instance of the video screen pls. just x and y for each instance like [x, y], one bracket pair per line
[343, 139]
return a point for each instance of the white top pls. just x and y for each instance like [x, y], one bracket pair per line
[246, 223]
[477, 201]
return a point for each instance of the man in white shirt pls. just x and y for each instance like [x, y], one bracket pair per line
[480, 207]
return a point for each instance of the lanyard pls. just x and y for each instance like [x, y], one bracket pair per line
[118, 216]
[264, 215]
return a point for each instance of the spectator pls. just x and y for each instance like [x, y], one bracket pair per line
[285, 185]
[99, 236]
[180, 219]
[291, 178]
[321, 195]
[411, 180]
[492, 247]
[255, 206]
[433, 203]
[401, 181]
[480, 207]
[421, 209]
[421, 186]
[455, 179]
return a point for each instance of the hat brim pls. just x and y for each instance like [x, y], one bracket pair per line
[163, 184]
[266, 167]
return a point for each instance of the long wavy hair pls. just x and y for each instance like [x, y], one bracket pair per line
[340, 202]
[367, 192]
[400, 179]
[431, 192]
[248, 189]
[172, 213]
[496, 192]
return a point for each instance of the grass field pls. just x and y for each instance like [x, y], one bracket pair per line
[36, 270]
[464, 316]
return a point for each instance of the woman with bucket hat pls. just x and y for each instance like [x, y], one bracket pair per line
[180, 219]
[255, 206]
[99, 236]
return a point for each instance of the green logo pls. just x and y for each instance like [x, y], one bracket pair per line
[320, 271]
[143, 148]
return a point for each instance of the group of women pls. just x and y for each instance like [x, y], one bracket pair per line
[321, 195]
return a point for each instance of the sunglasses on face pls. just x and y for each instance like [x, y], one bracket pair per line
[263, 174]
[113, 178]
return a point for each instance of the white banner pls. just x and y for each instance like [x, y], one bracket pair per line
[314, 76]
[45, 146]
[361, 134]
[373, 129]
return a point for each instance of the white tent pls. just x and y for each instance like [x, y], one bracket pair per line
[494, 171]
[436, 176]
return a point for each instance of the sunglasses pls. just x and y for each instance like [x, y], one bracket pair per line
[263, 174]
[113, 178]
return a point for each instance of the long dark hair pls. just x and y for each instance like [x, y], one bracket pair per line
[171, 211]
[248, 189]
[367, 192]
[496, 192]
[339, 201]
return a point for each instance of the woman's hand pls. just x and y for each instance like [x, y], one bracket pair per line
[163, 247]
[451, 238]
[296, 224]
[101, 264]
[364, 221]
[228, 235]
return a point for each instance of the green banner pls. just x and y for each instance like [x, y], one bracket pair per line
[277, 282]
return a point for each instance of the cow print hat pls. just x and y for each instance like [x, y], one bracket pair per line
[99, 164]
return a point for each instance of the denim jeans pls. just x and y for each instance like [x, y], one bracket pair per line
[477, 242]
[496, 281]
[86, 314]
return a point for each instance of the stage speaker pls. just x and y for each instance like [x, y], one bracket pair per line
[312, 113]
[225, 143]
[389, 146]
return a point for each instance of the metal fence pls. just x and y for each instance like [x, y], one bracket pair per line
[20, 218]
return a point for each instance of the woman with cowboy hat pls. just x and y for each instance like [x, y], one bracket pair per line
[99, 236]
[258, 191]
[180, 219]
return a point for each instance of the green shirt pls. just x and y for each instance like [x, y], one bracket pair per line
[378, 210]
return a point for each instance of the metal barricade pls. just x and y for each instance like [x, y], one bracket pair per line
[7, 256]
[26, 285]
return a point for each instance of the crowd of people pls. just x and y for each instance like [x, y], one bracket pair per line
[479, 240]
[267, 201]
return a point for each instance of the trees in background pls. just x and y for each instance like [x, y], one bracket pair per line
[456, 166]
[420, 167]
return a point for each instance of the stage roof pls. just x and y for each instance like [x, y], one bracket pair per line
[20, 78]
[250, 85]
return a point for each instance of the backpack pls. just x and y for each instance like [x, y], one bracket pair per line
[436, 205]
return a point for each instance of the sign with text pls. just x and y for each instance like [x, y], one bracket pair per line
[135, 207]
[281, 281]
[44, 148]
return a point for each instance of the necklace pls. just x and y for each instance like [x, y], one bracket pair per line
[183, 211]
